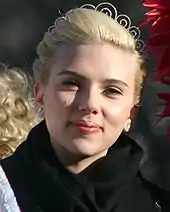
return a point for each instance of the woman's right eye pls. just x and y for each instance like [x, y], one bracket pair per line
[71, 83]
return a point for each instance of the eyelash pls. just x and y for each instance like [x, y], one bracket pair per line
[71, 83]
[113, 91]
[110, 91]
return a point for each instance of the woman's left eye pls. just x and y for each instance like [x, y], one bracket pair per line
[112, 91]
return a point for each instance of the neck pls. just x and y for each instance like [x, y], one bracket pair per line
[73, 162]
[82, 164]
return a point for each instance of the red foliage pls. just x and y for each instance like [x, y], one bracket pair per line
[159, 44]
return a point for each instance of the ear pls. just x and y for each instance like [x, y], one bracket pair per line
[133, 113]
[130, 119]
[39, 94]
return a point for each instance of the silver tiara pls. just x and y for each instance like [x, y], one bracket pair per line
[110, 10]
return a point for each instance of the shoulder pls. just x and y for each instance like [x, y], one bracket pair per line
[15, 167]
[11, 165]
[19, 178]
[7, 198]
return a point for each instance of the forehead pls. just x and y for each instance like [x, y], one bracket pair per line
[96, 61]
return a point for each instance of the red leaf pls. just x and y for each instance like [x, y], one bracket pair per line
[159, 45]
[161, 24]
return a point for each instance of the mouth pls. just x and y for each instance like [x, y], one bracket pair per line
[87, 127]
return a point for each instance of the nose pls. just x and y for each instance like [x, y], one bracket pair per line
[89, 102]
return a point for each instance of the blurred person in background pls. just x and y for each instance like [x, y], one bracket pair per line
[17, 117]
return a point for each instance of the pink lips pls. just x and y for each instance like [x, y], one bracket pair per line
[87, 127]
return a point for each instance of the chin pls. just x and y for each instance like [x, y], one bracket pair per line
[86, 149]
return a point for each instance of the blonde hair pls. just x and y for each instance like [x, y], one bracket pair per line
[86, 26]
[17, 112]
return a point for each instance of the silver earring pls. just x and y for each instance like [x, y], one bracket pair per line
[40, 110]
[128, 128]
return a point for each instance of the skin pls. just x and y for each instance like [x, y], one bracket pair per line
[92, 82]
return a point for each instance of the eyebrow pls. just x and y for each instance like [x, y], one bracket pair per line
[71, 73]
[109, 80]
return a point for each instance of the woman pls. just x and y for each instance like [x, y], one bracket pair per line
[89, 78]
[17, 117]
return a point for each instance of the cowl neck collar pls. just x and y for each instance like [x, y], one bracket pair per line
[100, 187]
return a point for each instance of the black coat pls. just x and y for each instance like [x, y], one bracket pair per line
[111, 184]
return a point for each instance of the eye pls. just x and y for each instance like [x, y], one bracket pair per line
[111, 91]
[71, 84]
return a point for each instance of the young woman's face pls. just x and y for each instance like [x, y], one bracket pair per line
[88, 99]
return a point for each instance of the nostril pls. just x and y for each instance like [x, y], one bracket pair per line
[94, 112]
[88, 110]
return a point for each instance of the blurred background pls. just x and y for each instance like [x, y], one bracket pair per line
[22, 25]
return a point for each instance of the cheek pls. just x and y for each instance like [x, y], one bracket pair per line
[55, 98]
[117, 113]
[63, 99]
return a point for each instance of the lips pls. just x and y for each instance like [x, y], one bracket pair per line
[87, 123]
[87, 126]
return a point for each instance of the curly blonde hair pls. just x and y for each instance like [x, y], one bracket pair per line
[17, 111]
[86, 26]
